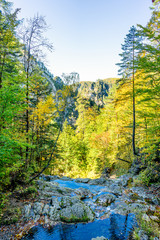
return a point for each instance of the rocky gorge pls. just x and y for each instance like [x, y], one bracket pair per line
[102, 208]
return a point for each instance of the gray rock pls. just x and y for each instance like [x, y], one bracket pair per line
[142, 235]
[64, 201]
[124, 180]
[99, 238]
[68, 201]
[46, 186]
[46, 219]
[79, 212]
[49, 177]
[121, 208]
[83, 193]
[145, 217]
[64, 178]
[143, 193]
[113, 188]
[36, 218]
[55, 191]
[27, 210]
[37, 208]
[54, 214]
[154, 218]
[45, 209]
[82, 180]
[105, 199]
[98, 181]
[55, 202]
[138, 207]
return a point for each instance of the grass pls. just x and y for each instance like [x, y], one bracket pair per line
[151, 228]
[74, 219]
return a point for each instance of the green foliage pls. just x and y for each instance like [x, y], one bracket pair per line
[95, 119]
[150, 228]
[73, 219]
[150, 175]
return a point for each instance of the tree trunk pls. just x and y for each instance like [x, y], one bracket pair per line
[134, 112]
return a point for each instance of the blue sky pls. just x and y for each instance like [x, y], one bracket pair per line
[86, 34]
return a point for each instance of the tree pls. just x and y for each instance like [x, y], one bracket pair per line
[34, 43]
[63, 100]
[9, 44]
[128, 68]
[149, 83]
[11, 98]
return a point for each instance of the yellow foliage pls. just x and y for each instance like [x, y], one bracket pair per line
[43, 113]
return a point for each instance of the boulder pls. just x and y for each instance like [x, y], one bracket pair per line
[105, 199]
[98, 181]
[54, 214]
[83, 193]
[79, 212]
[53, 190]
[68, 201]
[124, 180]
[99, 238]
[45, 209]
[37, 208]
[82, 180]
[142, 235]
[113, 188]
[122, 208]
[49, 177]
[64, 178]
[143, 193]
[27, 210]
[55, 202]
[145, 217]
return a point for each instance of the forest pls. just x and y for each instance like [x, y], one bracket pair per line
[58, 125]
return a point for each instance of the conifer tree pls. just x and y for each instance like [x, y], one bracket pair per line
[128, 66]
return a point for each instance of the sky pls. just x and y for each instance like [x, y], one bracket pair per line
[86, 34]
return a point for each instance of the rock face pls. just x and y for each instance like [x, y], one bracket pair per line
[95, 92]
[67, 209]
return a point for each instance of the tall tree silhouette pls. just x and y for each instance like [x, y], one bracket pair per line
[128, 66]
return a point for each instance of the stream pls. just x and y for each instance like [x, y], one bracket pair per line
[108, 222]
[116, 227]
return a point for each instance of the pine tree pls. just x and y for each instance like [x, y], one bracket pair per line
[128, 68]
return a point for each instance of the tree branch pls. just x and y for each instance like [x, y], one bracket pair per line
[124, 160]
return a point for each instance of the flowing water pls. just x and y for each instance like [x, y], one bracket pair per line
[114, 227]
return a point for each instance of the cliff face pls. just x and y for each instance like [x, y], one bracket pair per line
[95, 92]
